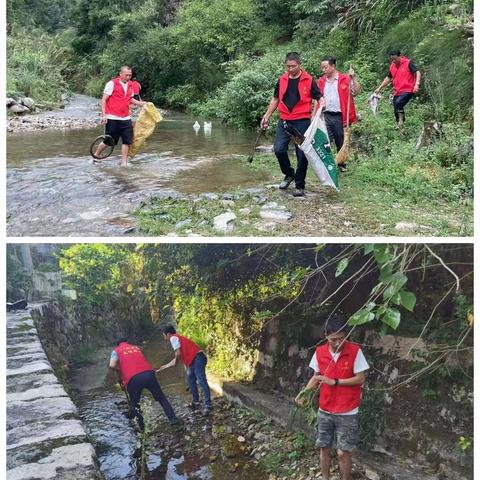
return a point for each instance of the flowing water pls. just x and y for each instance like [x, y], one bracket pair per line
[101, 405]
[53, 189]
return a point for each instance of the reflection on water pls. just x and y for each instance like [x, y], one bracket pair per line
[53, 189]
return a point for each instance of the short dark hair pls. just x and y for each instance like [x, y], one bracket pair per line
[121, 340]
[295, 56]
[169, 329]
[330, 60]
[394, 53]
[335, 324]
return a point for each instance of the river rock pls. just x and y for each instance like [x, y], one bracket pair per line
[28, 102]
[20, 109]
[10, 101]
[210, 196]
[265, 148]
[371, 474]
[275, 215]
[225, 222]
[228, 203]
[183, 223]
[244, 211]
[405, 226]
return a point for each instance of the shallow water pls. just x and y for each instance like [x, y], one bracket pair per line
[53, 189]
[101, 406]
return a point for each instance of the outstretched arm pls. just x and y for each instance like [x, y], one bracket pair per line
[172, 362]
[385, 82]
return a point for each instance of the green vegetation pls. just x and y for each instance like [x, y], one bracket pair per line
[221, 58]
[223, 296]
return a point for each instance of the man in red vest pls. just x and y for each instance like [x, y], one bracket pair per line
[136, 373]
[293, 96]
[195, 362]
[406, 82]
[117, 96]
[335, 86]
[340, 371]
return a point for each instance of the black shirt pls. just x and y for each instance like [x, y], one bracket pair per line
[411, 66]
[292, 95]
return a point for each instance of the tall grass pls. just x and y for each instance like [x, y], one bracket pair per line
[36, 66]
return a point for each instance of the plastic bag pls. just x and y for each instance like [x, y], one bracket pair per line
[144, 127]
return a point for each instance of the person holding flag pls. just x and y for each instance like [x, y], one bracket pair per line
[293, 97]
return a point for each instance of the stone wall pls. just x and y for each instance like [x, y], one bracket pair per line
[45, 438]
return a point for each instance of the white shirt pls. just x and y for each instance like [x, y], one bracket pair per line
[175, 342]
[332, 100]
[360, 365]
[108, 90]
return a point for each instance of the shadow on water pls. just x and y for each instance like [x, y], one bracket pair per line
[50, 180]
[102, 407]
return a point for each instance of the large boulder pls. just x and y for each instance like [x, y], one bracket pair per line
[20, 109]
[10, 101]
[28, 102]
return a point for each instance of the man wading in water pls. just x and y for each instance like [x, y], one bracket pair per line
[117, 96]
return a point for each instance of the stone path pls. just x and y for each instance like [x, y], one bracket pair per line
[45, 439]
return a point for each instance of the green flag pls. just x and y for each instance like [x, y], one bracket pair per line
[316, 147]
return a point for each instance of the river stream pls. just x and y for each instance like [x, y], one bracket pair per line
[54, 189]
[102, 407]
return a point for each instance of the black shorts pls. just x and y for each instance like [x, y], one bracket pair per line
[120, 128]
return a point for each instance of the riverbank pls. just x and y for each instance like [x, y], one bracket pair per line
[361, 208]
[77, 112]
[188, 182]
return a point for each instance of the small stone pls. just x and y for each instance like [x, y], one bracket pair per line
[241, 439]
[405, 226]
[225, 222]
[210, 196]
[276, 215]
[228, 203]
[183, 223]
[371, 474]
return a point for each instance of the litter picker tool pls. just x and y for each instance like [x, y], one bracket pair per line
[250, 157]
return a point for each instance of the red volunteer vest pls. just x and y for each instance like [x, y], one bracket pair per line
[132, 361]
[403, 79]
[188, 349]
[118, 102]
[343, 81]
[303, 108]
[136, 87]
[338, 399]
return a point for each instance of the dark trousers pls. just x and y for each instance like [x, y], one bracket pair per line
[149, 381]
[334, 123]
[399, 102]
[280, 147]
